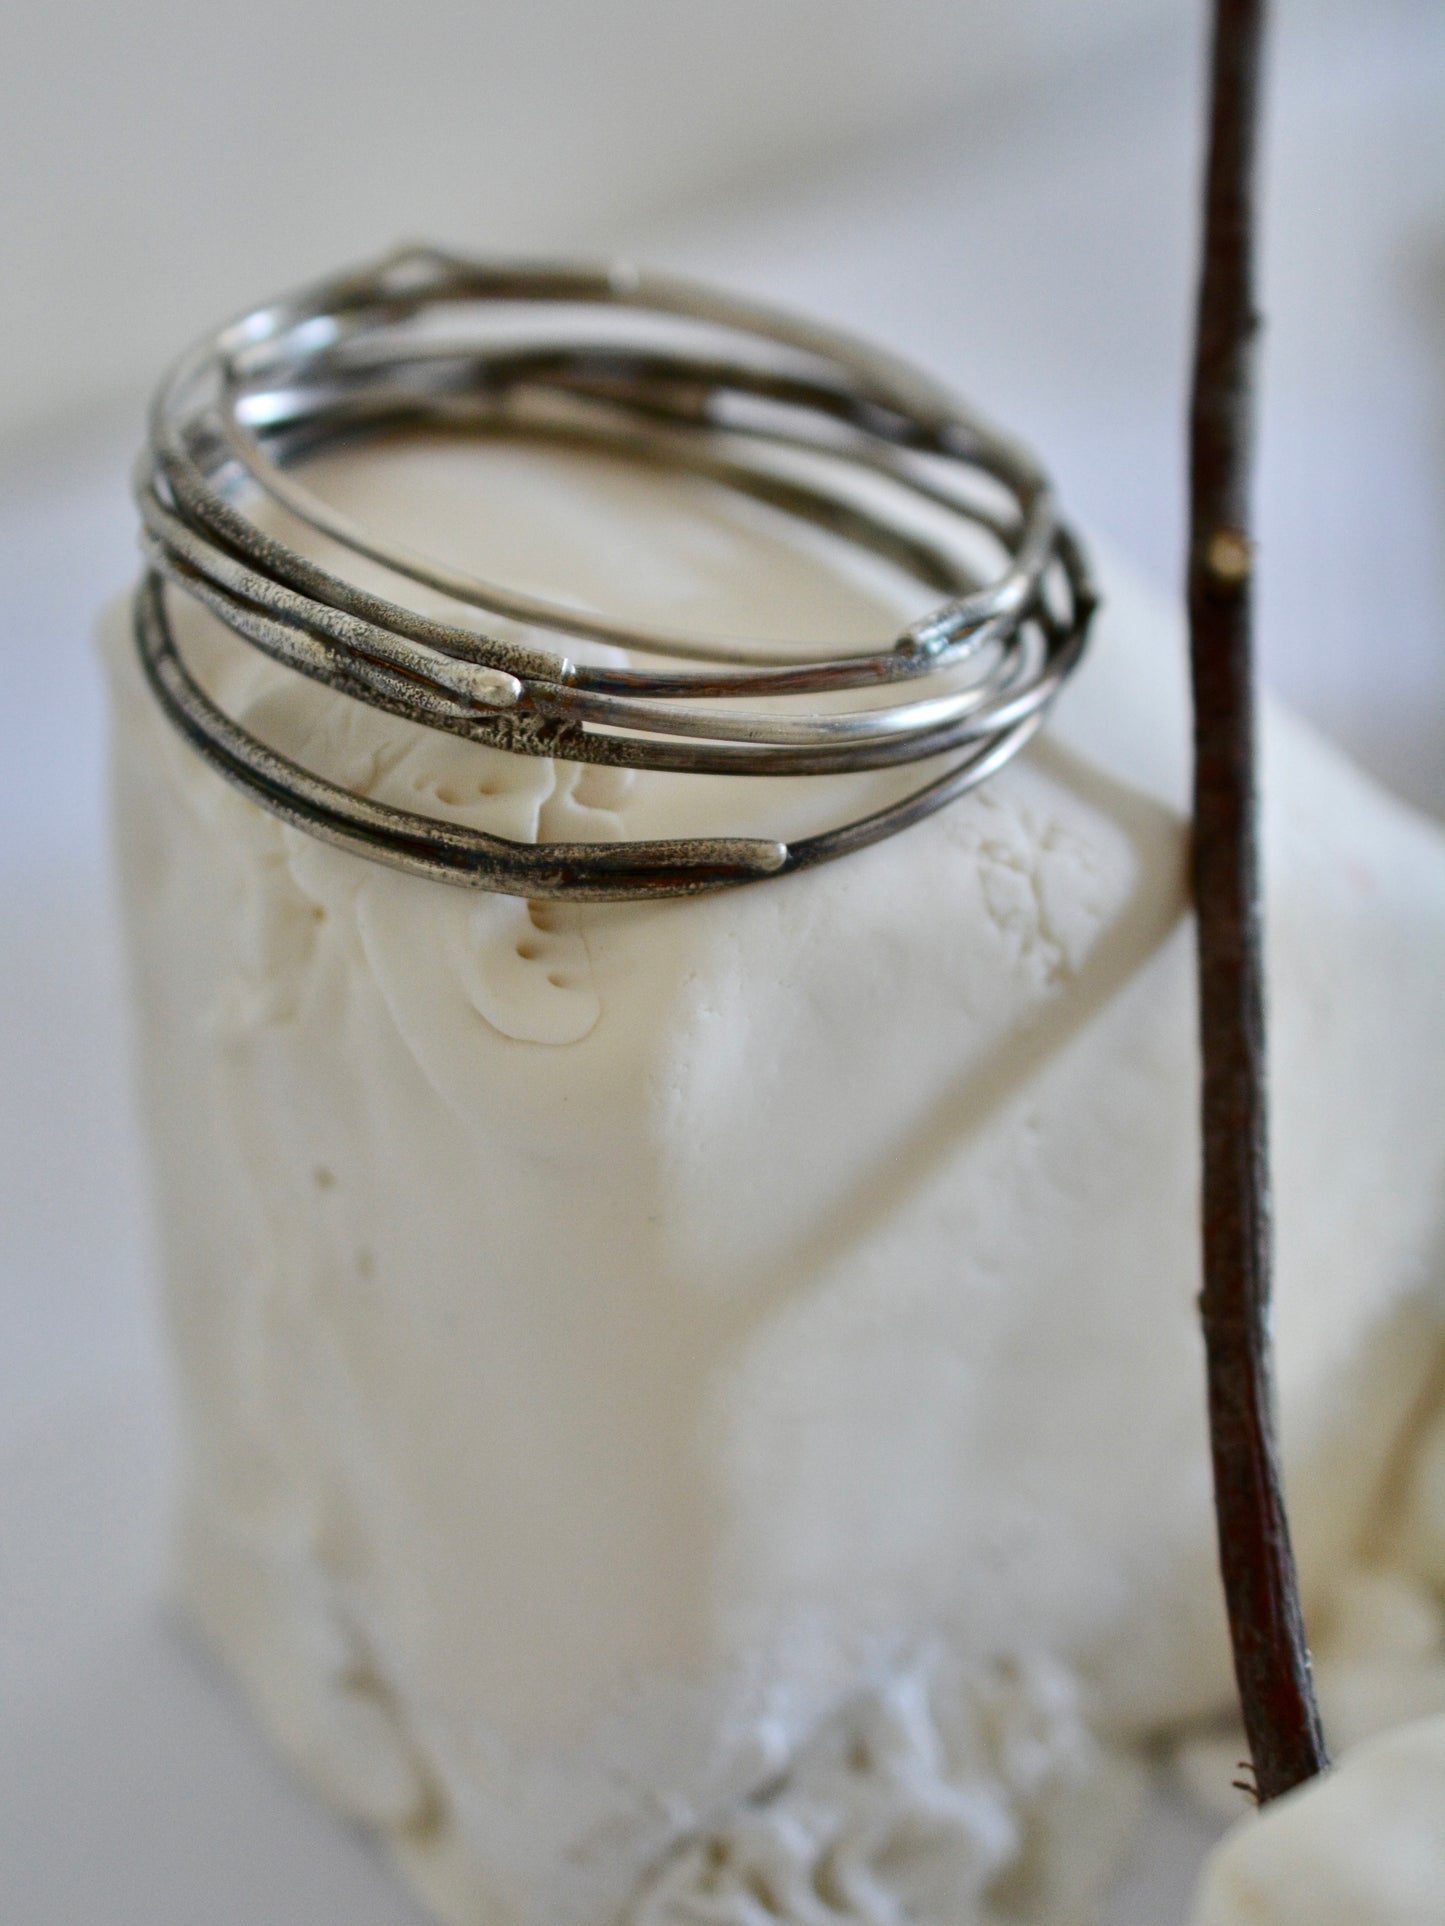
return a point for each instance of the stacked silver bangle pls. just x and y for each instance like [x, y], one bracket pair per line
[663, 372]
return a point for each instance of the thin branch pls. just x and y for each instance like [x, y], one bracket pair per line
[1271, 1657]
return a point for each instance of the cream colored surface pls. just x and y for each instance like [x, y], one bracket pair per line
[1379, 1646]
[1364, 1846]
[652, 1371]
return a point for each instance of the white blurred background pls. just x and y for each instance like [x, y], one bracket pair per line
[1004, 189]
[167, 160]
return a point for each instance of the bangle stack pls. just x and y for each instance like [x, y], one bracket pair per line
[661, 371]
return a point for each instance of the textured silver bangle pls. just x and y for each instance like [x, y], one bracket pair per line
[664, 372]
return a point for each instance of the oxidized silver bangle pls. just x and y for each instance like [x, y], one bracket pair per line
[662, 371]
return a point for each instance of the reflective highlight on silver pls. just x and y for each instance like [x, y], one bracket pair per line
[659, 371]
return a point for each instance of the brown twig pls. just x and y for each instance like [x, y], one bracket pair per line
[1271, 1657]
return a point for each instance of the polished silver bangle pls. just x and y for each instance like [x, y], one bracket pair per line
[665, 372]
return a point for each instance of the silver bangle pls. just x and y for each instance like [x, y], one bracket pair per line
[662, 371]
